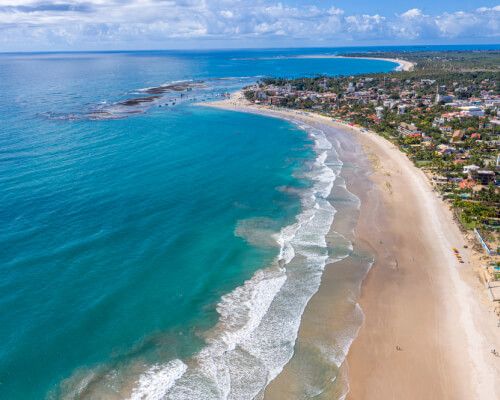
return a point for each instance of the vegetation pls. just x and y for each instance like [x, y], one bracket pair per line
[442, 114]
[439, 61]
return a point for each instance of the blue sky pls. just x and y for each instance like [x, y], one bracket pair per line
[27, 25]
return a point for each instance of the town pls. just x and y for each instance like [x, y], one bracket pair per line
[446, 121]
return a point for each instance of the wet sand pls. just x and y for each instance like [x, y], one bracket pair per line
[416, 295]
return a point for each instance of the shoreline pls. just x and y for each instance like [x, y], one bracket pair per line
[403, 65]
[432, 289]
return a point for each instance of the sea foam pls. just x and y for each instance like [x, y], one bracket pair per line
[259, 321]
[157, 380]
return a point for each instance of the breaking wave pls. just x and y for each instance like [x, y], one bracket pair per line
[259, 321]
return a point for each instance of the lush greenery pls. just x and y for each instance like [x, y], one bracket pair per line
[437, 61]
[445, 138]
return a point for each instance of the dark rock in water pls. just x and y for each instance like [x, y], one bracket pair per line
[175, 87]
[138, 101]
[139, 105]
[156, 90]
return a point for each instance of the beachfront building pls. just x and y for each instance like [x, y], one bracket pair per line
[460, 131]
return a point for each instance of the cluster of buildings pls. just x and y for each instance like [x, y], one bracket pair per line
[282, 95]
[386, 93]
[449, 126]
[448, 119]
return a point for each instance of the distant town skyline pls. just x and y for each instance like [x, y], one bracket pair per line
[27, 25]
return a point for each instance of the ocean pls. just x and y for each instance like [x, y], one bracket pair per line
[155, 248]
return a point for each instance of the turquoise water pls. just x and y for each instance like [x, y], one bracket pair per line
[120, 237]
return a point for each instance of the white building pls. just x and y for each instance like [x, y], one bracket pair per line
[468, 169]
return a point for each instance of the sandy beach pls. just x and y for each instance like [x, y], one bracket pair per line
[403, 65]
[418, 296]
[428, 327]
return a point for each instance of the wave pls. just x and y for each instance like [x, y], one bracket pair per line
[259, 321]
[155, 382]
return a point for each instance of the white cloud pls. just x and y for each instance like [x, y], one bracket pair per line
[412, 13]
[227, 14]
[413, 24]
[365, 23]
[335, 11]
[486, 9]
[485, 23]
[68, 22]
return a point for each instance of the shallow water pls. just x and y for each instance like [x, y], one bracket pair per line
[332, 317]
[126, 242]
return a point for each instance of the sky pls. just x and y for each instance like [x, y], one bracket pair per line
[27, 25]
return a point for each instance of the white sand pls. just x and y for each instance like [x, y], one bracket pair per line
[403, 65]
[449, 349]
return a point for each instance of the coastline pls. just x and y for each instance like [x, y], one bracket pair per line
[403, 65]
[415, 296]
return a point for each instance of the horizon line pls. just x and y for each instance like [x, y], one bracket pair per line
[241, 48]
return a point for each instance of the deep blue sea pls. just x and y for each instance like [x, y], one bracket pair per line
[127, 232]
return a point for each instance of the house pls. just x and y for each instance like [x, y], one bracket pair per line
[408, 129]
[469, 169]
[484, 177]
[467, 184]
[457, 136]
[390, 104]
[440, 180]
[427, 81]
[449, 116]
[444, 149]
